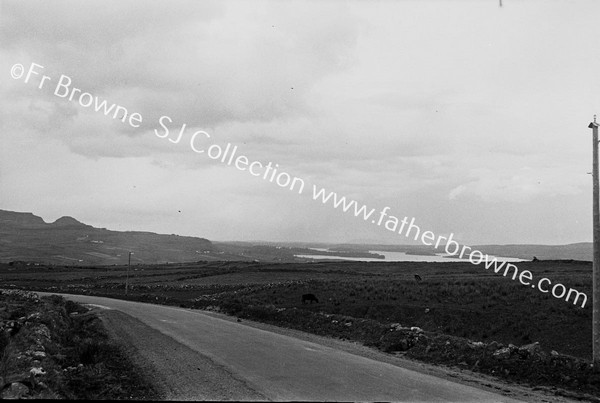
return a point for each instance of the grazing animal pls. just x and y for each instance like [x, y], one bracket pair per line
[418, 278]
[309, 297]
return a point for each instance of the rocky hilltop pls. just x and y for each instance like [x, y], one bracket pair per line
[14, 219]
[27, 237]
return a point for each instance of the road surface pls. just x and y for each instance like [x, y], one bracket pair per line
[201, 356]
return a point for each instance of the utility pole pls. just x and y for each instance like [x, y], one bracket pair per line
[596, 267]
[128, 267]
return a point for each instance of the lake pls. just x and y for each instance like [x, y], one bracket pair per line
[401, 257]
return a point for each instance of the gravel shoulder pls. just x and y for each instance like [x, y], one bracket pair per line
[179, 372]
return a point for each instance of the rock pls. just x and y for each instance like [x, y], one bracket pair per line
[503, 353]
[42, 331]
[16, 390]
[34, 316]
[530, 350]
[37, 371]
[476, 344]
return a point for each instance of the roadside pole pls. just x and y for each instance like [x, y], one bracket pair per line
[596, 247]
[128, 267]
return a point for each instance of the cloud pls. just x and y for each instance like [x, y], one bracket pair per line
[182, 60]
[437, 109]
[519, 184]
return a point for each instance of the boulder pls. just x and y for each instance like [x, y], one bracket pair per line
[38, 354]
[37, 371]
[503, 353]
[530, 350]
[396, 326]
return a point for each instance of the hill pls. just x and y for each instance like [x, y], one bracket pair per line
[27, 237]
[575, 251]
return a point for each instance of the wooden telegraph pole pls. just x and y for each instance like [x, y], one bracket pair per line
[128, 267]
[596, 267]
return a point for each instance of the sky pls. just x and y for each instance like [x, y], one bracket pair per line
[469, 117]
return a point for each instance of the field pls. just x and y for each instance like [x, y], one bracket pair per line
[362, 301]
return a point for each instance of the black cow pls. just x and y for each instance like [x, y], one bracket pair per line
[309, 297]
[418, 278]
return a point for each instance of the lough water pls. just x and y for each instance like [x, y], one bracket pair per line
[402, 257]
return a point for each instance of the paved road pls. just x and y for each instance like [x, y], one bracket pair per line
[257, 364]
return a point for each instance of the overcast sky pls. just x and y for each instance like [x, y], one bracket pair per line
[470, 117]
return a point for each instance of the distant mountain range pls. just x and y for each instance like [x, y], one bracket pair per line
[66, 241]
[27, 237]
[575, 251]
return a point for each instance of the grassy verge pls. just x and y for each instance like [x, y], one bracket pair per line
[56, 349]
